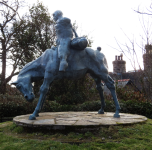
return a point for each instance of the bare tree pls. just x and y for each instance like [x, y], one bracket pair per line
[9, 14]
[147, 12]
[131, 49]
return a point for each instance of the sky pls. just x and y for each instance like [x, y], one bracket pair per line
[104, 21]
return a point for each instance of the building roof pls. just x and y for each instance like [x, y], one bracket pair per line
[121, 84]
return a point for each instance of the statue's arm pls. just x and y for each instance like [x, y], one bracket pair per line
[76, 35]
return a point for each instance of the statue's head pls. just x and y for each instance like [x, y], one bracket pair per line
[25, 88]
[99, 48]
[57, 14]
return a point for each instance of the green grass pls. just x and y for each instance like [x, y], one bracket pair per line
[132, 137]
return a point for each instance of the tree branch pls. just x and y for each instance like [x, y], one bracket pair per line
[10, 77]
[142, 12]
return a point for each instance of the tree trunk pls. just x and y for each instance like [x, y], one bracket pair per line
[3, 82]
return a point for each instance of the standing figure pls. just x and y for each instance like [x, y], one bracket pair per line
[64, 32]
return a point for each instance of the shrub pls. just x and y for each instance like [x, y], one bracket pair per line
[135, 107]
[15, 108]
[16, 105]
[73, 91]
[76, 96]
[129, 94]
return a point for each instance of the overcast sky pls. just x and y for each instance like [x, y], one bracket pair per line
[103, 21]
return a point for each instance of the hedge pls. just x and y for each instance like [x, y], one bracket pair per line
[11, 109]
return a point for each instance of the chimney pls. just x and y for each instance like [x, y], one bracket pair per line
[119, 65]
[121, 56]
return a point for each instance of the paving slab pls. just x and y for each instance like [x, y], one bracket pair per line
[63, 119]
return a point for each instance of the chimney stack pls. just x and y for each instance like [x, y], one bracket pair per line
[119, 65]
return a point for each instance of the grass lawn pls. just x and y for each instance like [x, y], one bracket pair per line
[132, 137]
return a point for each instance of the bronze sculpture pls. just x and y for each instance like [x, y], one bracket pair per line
[64, 61]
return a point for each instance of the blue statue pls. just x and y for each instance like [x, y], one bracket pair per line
[69, 59]
[64, 33]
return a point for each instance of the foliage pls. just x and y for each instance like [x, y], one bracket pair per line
[11, 106]
[56, 107]
[34, 36]
[73, 91]
[129, 94]
[23, 39]
[134, 107]
[76, 96]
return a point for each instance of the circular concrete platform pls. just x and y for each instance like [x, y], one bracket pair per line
[59, 120]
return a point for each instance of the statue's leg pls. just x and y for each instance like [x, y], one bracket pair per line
[63, 52]
[110, 85]
[43, 91]
[99, 87]
[41, 105]
[44, 100]
[102, 73]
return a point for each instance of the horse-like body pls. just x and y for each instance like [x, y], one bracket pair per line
[79, 63]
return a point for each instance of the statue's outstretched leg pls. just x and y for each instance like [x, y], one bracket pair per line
[43, 91]
[110, 85]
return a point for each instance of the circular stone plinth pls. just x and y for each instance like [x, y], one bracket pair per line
[59, 120]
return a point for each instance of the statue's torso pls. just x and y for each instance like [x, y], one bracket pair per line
[64, 28]
[79, 63]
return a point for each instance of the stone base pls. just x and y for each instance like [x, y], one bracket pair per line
[60, 120]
